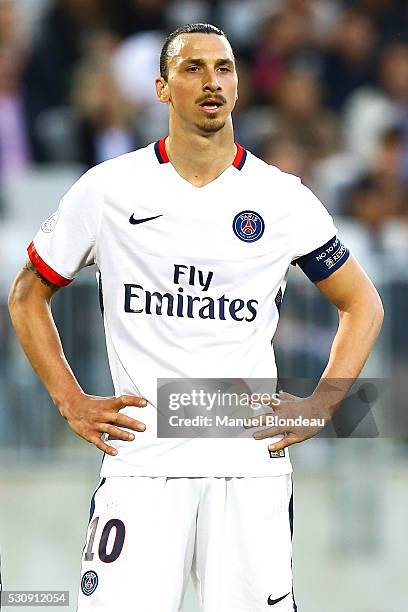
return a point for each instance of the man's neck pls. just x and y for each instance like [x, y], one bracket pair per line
[200, 159]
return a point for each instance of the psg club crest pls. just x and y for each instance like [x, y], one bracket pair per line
[248, 226]
[89, 582]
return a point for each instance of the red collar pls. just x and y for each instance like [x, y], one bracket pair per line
[161, 154]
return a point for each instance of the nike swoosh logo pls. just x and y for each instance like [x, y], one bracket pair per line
[272, 602]
[134, 221]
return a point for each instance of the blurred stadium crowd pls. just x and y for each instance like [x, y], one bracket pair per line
[323, 90]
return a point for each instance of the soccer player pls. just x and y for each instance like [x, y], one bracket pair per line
[192, 238]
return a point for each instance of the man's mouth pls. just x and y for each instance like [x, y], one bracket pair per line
[211, 104]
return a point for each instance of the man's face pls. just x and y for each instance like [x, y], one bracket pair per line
[202, 81]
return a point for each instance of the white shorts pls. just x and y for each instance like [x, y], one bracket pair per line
[147, 534]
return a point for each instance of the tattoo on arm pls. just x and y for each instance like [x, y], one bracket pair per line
[29, 266]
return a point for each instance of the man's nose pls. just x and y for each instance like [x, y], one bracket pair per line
[211, 83]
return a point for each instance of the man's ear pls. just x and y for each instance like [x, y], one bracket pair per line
[162, 90]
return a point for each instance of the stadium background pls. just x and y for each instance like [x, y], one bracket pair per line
[324, 95]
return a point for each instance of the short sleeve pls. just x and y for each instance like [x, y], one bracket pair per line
[312, 225]
[316, 248]
[66, 241]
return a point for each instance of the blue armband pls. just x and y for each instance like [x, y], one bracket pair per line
[322, 262]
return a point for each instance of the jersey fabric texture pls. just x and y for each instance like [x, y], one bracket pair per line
[146, 535]
[192, 280]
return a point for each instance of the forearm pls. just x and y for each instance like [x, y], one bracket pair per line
[359, 326]
[89, 416]
[34, 325]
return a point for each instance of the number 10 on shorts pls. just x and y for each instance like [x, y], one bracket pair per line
[115, 529]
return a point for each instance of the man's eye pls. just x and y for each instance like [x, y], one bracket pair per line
[225, 68]
[192, 69]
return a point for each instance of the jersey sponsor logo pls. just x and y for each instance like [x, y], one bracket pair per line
[178, 303]
[89, 582]
[49, 224]
[248, 226]
[134, 221]
[272, 602]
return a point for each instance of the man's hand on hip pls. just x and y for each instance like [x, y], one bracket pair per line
[91, 416]
[304, 412]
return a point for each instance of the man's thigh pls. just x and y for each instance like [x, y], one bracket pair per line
[139, 545]
[243, 556]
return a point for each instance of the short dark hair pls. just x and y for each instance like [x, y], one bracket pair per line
[191, 28]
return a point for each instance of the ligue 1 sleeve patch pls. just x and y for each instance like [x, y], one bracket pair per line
[248, 226]
[89, 582]
[49, 224]
[322, 262]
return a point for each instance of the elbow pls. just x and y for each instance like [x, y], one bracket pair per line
[368, 309]
[373, 313]
[378, 316]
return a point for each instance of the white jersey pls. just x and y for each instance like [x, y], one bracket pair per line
[191, 280]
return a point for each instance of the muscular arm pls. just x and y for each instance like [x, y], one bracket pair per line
[89, 416]
[360, 319]
[30, 311]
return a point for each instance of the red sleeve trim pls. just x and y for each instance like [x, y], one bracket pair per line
[44, 269]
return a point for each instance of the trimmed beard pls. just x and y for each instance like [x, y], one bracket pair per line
[211, 126]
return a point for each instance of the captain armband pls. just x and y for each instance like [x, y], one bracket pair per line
[322, 262]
